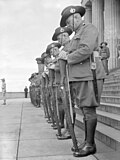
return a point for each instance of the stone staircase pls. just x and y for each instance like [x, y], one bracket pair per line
[108, 127]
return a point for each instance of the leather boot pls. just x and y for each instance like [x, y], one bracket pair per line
[65, 136]
[89, 147]
[81, 145]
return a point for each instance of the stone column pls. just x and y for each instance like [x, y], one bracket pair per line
[112, 29]
[40, 65]
[98, 17]
[88, 14]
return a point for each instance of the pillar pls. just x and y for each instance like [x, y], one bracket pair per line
[98, 17]
[112, 29]
[88, 14]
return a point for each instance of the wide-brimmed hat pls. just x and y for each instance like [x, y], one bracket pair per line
[40, 60]
[104, 43]
[44, 55]
[52, 45]
[61, 30]
[70, 10]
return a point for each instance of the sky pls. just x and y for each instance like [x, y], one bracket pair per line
[26, 28]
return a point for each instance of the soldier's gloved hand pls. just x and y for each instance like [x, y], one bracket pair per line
[63, 55]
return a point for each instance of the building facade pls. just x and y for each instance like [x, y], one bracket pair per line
[105, 15]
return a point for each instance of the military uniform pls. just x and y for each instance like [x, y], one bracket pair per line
[56, 83]
[81, 77]
[105, 54]
[65, 42]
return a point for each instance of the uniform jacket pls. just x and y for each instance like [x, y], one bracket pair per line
[82, 45]
[26, 90]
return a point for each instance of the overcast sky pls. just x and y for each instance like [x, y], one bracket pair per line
[26, 28]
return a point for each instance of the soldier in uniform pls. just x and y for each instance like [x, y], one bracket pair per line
[61, 35]
[26, 91]
[53, 49]
[86, 76]
[105, 55]
[45, 90]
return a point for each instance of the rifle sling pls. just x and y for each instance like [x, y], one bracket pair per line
[94, 79]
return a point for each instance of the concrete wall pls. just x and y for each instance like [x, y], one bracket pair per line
[10, 95]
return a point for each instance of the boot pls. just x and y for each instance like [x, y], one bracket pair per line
[80, 146]
[89, 147]
[65, 136]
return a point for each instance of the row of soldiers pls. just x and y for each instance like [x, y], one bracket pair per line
[71, 76]
[34, 90]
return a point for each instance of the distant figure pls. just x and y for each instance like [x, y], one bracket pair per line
[26, 91]
[105, 54]
[4, 91]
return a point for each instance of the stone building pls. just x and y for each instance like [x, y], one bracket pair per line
[105, 15]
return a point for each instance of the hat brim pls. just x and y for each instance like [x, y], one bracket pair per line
[104, 43]
[54, 38]
[79, 9]
[50, 47]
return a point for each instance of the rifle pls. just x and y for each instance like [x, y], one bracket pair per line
[54, 99]
[64, 74]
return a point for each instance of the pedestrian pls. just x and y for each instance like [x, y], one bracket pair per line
[105, 55]
[26, 91]
[86, 76]
[4, 91]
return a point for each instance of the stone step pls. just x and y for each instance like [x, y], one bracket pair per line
[110, 92]
[111, 86]
[112, 81]
[107, 118]
[104, 133]
[115, 72]
[110, 77]
[110, 99]
[109, 107]
[110, 119]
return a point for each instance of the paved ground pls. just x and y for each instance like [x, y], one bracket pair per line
[25, 135]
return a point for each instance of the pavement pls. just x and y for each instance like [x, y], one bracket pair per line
[25, 135]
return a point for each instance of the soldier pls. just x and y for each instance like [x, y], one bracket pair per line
[45, 82]
[105, 55]
[26, 91]
[53, 49]
[85, 76]
[61, 35]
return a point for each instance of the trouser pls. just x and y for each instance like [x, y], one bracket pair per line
[26, 94]
[105, 65]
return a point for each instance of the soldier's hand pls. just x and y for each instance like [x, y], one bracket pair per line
[63, 55]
